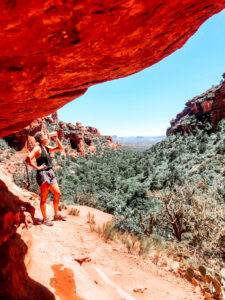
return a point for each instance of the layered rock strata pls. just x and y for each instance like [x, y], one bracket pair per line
[85, 139]
[51, 51]
[80, 138]
[218, 106]
[208, 107]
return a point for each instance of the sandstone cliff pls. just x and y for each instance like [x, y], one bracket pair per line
[208, 107]
[77, 139]
[16, 213]
[51, 51]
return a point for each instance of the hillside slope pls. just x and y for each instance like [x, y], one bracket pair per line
[42, 262]
[77, 139]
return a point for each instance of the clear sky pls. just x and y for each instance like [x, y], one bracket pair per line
[144, 103]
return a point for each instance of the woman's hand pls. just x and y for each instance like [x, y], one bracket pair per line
[41, 167]
[52, 134]
[54, 137]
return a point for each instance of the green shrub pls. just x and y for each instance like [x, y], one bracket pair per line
[86, 198]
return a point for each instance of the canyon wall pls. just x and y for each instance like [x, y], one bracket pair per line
[209, 107]
[77, 139]
[15, 240]
[51, 51]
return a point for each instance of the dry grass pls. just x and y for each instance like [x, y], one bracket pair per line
[63, 205]
[133, 243]
[74, 212]
[91, 219]
[107, 231]
[211, 287]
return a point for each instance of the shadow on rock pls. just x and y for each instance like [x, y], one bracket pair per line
[14, 280]
[64, 284]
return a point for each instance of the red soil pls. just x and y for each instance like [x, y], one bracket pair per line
[109, 272]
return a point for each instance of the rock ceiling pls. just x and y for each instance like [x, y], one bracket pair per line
[52, 51]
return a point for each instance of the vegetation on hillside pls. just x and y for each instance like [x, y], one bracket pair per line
[173, 192]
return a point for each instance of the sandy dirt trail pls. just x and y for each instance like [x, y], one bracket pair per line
[110, 274]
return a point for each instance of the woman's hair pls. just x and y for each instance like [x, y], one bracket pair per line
[38, 135]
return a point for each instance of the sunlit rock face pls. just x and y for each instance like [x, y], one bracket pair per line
[218, 106]
[199, 112]
[81, 138]
[51, 51]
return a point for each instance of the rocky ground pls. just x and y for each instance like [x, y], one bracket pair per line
[49, 267]
[108, 271]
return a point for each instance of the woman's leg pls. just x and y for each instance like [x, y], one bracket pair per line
[56, 193]
[44, 189]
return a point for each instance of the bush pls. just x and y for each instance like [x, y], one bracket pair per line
[3, 145]
[86, 198]
[198, 211]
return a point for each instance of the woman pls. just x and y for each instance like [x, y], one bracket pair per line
[45, 175]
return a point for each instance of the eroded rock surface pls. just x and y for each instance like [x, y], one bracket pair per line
[24, 138]
[108, 272]
[207, 108]
[80, 138]
[218, 106]
[15, 240]
[51, 51]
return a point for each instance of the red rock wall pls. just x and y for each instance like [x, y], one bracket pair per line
[218, 106]
[51, 51]
[208, 106]
[76, 142]
[24, 138]
[14, 280]
[79, 136]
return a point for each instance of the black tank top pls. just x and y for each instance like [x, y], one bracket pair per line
[44, 159]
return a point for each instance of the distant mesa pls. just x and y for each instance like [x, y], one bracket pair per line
[138, 141]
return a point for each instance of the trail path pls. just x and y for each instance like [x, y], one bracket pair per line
[111, 273]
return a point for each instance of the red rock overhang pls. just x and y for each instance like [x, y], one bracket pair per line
[52, 51]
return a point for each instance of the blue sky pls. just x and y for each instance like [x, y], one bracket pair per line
[144, 103]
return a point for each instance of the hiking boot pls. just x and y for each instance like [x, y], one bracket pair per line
[47, 222]
[59, 218]
[37, 221]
